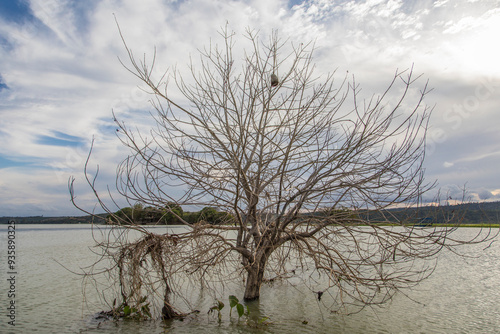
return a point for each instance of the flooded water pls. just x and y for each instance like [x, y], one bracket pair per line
[462, 296]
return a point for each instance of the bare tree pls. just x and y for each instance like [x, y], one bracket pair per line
[305, 169]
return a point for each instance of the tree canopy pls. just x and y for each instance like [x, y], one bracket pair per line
[299, 164]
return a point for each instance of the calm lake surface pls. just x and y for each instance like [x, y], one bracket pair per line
[462, 296]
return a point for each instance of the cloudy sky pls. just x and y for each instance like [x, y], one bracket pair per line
[60, 79]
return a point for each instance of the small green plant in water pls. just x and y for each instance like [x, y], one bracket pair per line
[233, 301]
[138, 312]
[217, 307]
[240, 309]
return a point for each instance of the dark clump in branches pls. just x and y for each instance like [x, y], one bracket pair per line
[305, 169]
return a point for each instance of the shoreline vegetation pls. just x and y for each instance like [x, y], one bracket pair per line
[485, 214]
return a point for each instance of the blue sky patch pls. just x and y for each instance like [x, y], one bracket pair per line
[60, 139]
[15, 10]
[3, 85]
[6, 163]
[292, 3]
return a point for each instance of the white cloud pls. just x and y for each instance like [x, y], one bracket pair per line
[440, 3]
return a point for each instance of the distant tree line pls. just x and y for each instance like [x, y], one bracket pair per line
[170, 214]
[472, 213]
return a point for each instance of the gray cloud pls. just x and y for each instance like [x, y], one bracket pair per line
[484, 194]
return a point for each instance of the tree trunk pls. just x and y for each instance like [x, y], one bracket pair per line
[167, 312]
[255, 278]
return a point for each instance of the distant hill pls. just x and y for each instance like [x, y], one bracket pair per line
[469, 213]
[54, 220]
